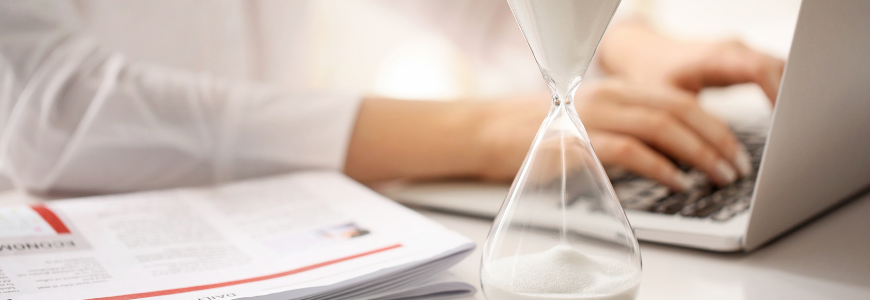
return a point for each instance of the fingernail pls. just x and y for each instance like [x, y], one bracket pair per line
[683, 181]
[725, 171]
[742, 160]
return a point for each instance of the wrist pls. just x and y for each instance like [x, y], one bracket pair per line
[505, 132]
[462, 153]
[414, 139]
[489, 140]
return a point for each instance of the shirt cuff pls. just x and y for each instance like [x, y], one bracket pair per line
[285, 132]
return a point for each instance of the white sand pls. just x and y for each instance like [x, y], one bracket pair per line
[563, 34]
[560, 273]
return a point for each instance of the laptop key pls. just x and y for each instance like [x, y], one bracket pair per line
[679, 201]
[671, 204]
[730, 211]
[721, 199]
[702, 201]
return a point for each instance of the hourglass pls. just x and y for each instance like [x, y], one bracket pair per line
[561, 232]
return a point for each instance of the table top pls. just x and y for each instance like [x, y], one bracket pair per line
[827, 258]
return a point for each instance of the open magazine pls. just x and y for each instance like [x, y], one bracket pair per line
[315, 235]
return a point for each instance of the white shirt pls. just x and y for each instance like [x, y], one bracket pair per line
[102, 96]
[79, 117]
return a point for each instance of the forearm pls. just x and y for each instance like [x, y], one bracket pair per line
[415, 139]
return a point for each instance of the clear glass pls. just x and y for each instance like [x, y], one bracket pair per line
[561, 232]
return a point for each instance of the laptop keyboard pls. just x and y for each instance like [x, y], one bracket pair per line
[705, 199]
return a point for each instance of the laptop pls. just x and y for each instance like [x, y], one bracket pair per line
[814, 154]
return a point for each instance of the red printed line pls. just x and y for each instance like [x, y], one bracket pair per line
[243, 281]
[50, 218]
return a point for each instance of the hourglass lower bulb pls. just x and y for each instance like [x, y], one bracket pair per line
[561, 233]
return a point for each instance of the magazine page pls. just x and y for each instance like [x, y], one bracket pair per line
[296, 232]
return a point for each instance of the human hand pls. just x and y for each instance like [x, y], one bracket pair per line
[635, 126]
[637, 53]
[630, 125]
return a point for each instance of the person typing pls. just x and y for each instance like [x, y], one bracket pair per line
[81, 118]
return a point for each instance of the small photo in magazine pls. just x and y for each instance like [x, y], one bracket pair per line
[320, 237]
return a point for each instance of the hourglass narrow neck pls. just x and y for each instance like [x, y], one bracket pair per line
[563, 98]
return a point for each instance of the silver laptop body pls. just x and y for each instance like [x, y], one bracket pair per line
[816, 154]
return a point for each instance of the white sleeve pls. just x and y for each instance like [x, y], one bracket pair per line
[74, 118]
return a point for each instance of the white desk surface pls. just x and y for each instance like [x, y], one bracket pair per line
[828, 258]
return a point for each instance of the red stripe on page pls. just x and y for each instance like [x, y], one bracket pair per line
[50, 218]
[243, 281]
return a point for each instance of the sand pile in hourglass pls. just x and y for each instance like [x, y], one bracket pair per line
[561, 233]
[562, 273]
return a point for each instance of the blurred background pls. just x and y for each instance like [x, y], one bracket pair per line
[415, 49]
[408, 49]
